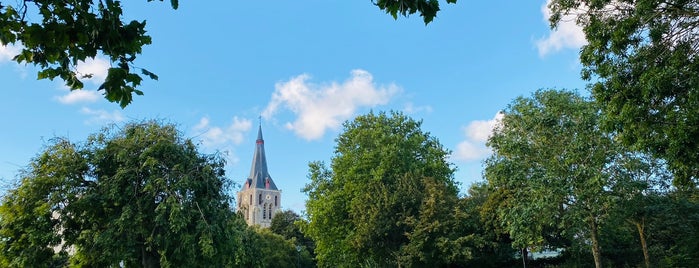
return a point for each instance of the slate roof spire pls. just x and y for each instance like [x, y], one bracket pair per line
[259, 176]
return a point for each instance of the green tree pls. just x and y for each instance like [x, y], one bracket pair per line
[559, 171]
[673, 228]
[449, 231]
[372, 207]
[639, 206]
[263, 248]
[27, 221]
[644, 59]
[288, 224]
[495, 246]
[139, 195]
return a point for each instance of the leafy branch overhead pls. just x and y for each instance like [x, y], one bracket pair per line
[67, 32]
[57, 34]
[427, 8]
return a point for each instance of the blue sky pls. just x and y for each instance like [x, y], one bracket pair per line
[305, 67]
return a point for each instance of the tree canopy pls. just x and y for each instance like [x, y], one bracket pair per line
[387, 199]
[288, 224]
[559, 172]
[140, 195]
[264, 248]
[643, 59]
[56, 35]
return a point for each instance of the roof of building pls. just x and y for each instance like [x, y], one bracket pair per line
[259, 176]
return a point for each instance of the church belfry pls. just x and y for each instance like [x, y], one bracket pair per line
[259, 199]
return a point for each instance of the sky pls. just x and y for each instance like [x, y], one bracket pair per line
[301, 69]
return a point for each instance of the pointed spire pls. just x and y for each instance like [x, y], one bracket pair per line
[259, 176]
[259, 136]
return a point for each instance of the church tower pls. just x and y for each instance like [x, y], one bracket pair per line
[259, 199]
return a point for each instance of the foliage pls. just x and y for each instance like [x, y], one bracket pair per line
[372, 207]
[27, 221]
[674, 230]
[139, 195]
[488, 248]
[668, 219]
[287, 224]
[67, 32]
[560, 174]
[645, 55]
[263, 248]
[427, 8]
[435, 235]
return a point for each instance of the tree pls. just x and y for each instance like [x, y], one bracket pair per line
[638, 206]
[283, 224]
[495, 247]
[644, 57]
[27, 221]
[263, 248]
[287, 224]
[366, 210]
[67, 32]
[140, 195]
[673, 226]
[559, 172]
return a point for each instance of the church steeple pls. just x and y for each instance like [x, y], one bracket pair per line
[259, 199]
[259, 176]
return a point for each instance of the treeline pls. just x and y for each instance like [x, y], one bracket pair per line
[556, 182]
[138, 195]
[141, 195]
[609, 180]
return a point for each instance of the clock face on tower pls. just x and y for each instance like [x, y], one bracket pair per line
[268, 197]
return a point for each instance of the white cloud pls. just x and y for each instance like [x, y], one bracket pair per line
[567, 34]
[102, 116]
[477, 133]
[222, 139]
[322, 107]
[213, 136]
[77, 96]
[9, 51]
[468, 150]
[410, 108]
[96, 67]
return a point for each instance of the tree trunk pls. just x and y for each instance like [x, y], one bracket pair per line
[640, 226]
[595, 244]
